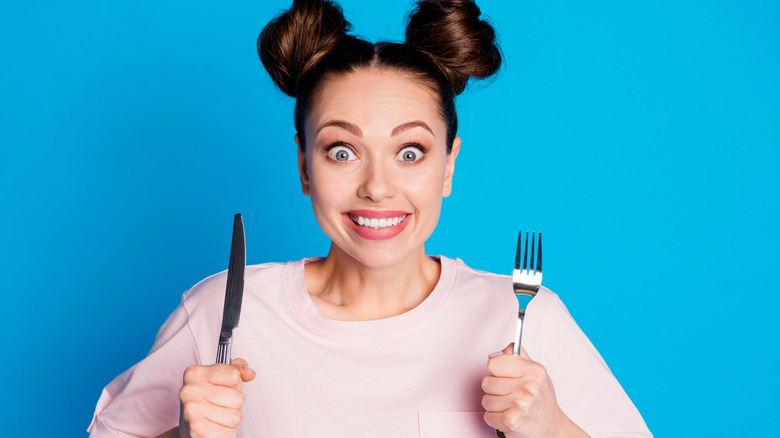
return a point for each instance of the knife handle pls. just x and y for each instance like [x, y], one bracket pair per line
[223, 352]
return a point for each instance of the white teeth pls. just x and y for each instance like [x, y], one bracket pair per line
[377, 223]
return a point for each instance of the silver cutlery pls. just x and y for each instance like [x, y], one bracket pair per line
[526, 278]
[234, 291]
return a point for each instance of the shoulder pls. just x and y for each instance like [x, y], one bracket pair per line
[252, 274]
[545, 309]
[202, 305]
[471, 277]
[482, 288]
[548, 301]
[210, 291]
[545, 300]
[467, 274]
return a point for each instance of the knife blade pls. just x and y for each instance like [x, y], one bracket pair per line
[235, 290]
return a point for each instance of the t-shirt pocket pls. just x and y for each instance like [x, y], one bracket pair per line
[451, 424]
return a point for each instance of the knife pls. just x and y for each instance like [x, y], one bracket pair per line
[235, 290]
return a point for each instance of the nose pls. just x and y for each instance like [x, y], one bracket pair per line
[378, 182]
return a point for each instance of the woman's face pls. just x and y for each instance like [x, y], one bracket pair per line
[376, 164]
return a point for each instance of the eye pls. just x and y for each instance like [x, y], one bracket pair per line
[410, 154]
[341, 154]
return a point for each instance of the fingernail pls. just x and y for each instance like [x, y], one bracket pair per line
[248, 369]
[497, 353]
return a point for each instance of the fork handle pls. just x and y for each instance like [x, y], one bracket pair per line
[519, 331]
[516, 351]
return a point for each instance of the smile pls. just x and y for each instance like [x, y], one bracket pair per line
[377, 223]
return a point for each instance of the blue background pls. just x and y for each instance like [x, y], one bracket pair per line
[640, 137]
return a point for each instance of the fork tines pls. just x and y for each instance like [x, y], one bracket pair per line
[527, 276]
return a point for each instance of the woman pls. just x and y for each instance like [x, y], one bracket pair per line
[377, 338]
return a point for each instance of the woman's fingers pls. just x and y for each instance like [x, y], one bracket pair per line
[217, 374]
[209, 423]
[222, 396]
[206, 416]
[501, 386]
[509, 393]
[514, 411]
[523, 353]
[495, 403]
[247, 373]
[211, 399]
[201, 420]
[492, 385]
[219, 385]
[509, 365]
[501, 421]
[509, 348]
[519, 396]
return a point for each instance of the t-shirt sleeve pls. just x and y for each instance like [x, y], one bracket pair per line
[586, 389]
[144, 400]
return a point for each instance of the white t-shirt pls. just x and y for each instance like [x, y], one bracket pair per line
[417, 374]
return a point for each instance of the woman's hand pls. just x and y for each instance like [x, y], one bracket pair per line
[211, 399]
[520, 399]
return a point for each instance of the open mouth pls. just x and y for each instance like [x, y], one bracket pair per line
[376, 223]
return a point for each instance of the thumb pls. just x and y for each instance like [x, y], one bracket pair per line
[247, 373]
[524, 354]
[509, 348]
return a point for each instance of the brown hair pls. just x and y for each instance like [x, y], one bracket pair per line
[446, 44]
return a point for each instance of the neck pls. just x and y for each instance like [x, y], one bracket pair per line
[342, 288]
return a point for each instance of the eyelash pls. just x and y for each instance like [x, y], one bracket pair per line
[419, 146]
[422, 148]
[334, 145]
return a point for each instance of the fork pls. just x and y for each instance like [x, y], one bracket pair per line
[525, 282]
[526, 279]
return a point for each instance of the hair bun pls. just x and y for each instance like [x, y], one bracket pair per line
[292, 43]
[456, 39]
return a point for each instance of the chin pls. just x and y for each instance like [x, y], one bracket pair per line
[377, 258]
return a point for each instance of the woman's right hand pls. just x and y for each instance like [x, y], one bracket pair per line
[211, 399]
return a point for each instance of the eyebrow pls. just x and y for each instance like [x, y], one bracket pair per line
[409, 125]
[343, 124]
[354, 129]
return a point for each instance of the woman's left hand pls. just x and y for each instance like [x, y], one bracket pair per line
[520, 399]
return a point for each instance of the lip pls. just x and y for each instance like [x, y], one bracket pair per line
[377, 214]
[381, 233]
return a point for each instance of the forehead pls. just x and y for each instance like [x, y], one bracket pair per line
[376, 97]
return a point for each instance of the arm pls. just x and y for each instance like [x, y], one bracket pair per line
[143, 401]
[147, 399]
[585, 388]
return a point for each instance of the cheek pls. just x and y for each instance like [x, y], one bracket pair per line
[325, 190]
[426, 186]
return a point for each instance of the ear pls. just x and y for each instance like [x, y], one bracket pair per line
[450, 169]
[303, 170]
